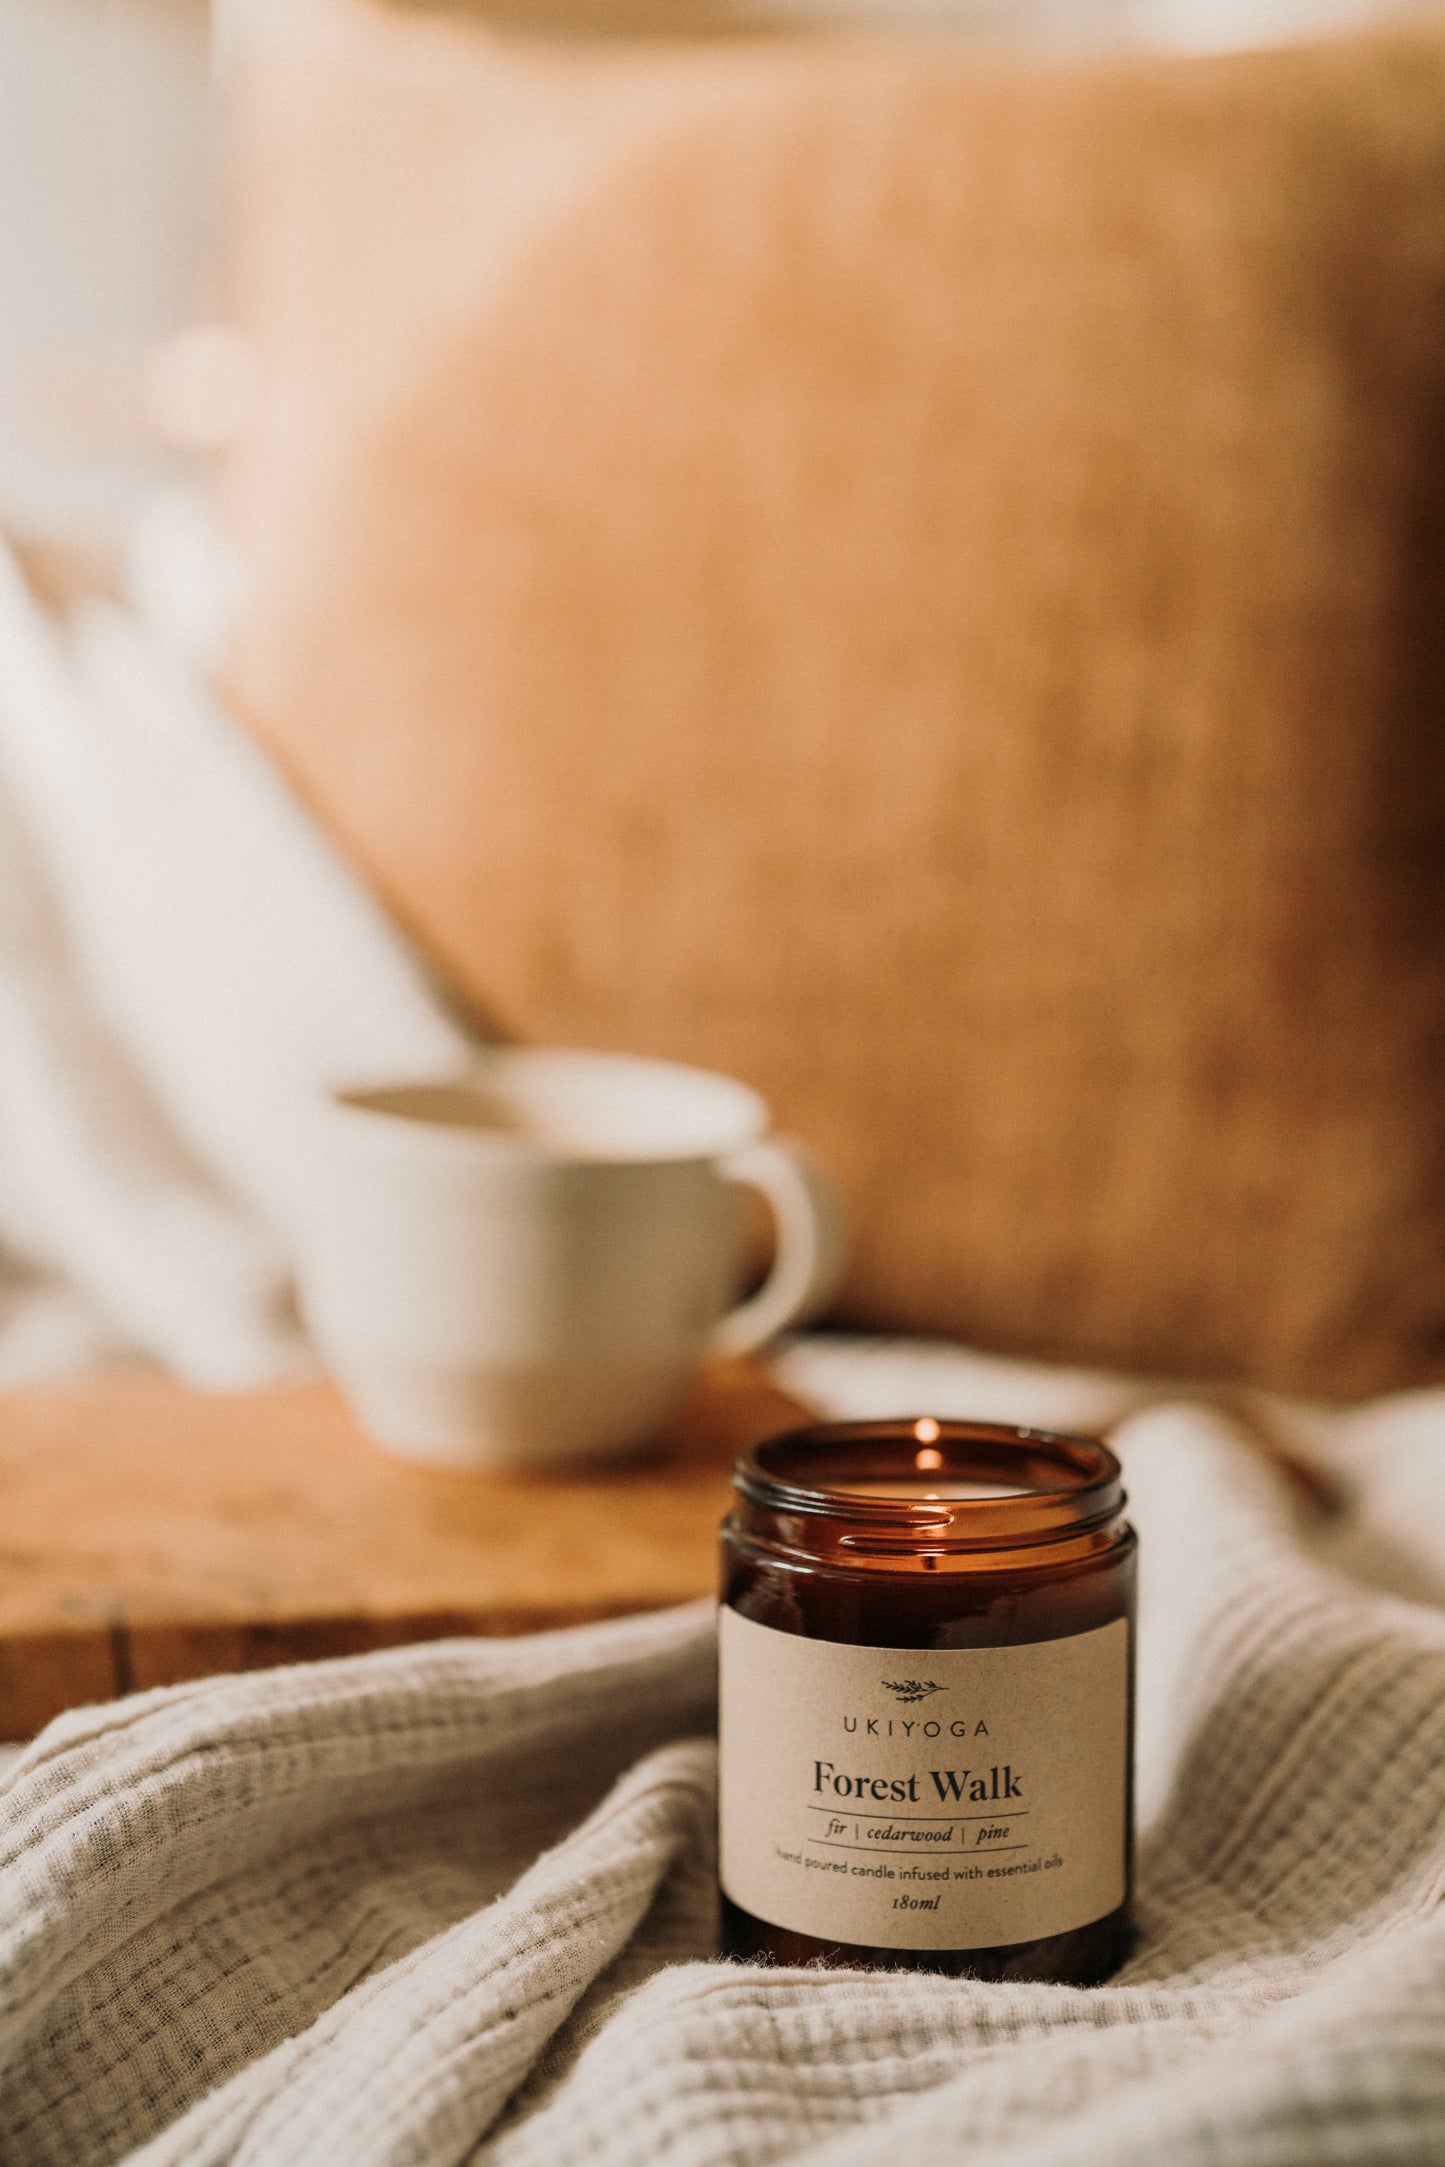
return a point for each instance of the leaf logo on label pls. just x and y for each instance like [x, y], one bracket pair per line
[912, 1689]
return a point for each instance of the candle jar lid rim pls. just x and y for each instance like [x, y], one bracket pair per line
[1031, 1512]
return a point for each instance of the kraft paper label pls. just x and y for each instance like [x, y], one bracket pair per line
[923, 1799]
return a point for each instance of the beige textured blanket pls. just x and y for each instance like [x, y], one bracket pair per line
[456, 1903]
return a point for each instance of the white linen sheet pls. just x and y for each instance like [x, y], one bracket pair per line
[185, 966]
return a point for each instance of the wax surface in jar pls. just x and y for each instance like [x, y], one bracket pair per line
[921, 1489]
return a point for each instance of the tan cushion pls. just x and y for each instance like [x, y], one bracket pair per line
[915, 580]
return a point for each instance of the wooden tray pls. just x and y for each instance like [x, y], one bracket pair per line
[149, 1533]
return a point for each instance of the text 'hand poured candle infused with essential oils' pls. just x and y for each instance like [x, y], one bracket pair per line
[926, 1649]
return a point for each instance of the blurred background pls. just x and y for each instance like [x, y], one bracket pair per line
[885, 547]
[110, 126]
[112, 169]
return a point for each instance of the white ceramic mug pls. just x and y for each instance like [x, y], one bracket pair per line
[527, 1264]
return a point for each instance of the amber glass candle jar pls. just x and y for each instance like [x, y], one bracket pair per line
[926, 1655]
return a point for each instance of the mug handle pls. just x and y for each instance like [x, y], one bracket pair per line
[809, 1261]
